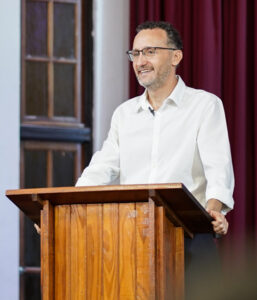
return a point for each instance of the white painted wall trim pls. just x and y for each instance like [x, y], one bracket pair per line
[111, 66]
[9, 146]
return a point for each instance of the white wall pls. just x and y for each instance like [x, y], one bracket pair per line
[111, 73]
[9, 146]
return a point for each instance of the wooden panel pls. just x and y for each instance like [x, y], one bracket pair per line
[47, 251]
[172, 194]
[78, 252]
[127, 275]
[173, 260]
[94, 252]
[110, 252]
[119, 251]
[62, 253]
[169, 259]
[179, 270]
[160, 259]
[152, 248]
[143, 252]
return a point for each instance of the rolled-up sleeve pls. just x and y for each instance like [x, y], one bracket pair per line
[214, 148]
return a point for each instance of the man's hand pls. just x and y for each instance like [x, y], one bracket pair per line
[37, 228]
[220, 223]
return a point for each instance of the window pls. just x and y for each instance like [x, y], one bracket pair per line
[51, 62]
[56, 105]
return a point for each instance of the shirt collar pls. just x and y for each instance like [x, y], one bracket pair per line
[176, 96]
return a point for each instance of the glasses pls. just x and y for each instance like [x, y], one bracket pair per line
[147, 52]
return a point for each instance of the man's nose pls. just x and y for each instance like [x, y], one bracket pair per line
[141, 59]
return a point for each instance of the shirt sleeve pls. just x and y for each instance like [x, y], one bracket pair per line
[104, 166]
[215, 154]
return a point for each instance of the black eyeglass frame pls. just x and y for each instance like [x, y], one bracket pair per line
[131, 56]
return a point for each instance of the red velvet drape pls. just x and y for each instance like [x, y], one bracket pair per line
[220, 49]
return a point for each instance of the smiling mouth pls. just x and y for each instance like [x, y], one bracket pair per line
[142, 72]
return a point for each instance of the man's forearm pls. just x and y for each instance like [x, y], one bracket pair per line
[214, 204]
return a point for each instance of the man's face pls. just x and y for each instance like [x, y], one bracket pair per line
[154, 72]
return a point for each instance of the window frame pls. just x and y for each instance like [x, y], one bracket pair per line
[50, 60]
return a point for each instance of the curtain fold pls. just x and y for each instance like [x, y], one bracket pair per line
[220, 49]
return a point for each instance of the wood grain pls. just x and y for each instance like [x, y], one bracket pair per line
[169, 257]
[110, 252]
[94, 286]
[78, 252]
[47, 251]
[62, 253]
[169, 249]
[160, 258]
[143, 252]
[127, 267]
[188, 210]
[152, 248]
[179, 273]
[173, 259]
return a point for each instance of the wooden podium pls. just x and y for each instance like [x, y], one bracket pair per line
[113, 242]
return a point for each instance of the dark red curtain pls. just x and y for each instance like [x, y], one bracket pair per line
[220, 49]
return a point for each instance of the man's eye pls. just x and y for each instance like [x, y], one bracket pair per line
[150, 51]
[135, 53]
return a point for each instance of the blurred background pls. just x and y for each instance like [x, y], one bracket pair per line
[63, 70]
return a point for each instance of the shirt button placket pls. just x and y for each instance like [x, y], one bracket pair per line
[155, 147]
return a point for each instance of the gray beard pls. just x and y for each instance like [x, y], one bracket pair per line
[157, 83]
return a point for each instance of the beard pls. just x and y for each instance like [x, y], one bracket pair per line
[158, 80]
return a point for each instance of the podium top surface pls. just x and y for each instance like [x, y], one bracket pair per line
[174, 196]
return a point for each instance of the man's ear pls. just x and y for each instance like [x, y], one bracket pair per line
[177, 57]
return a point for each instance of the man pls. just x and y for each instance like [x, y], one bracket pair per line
[171, 133]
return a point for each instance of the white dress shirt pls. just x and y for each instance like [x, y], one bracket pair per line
[186, 141]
